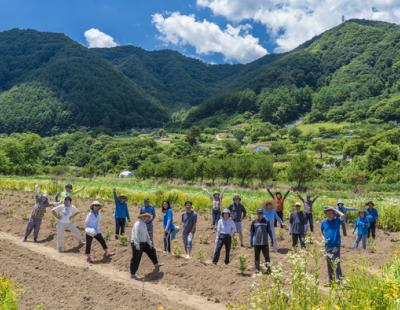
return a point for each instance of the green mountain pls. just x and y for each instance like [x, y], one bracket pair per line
[350, 72]
[49, 83]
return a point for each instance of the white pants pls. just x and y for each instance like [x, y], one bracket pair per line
[60, 233]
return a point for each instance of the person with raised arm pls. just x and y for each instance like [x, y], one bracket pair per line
[68, 192]
[330, 233]
[121, 213]
[308, 203]
[216, 200]
[279, 203]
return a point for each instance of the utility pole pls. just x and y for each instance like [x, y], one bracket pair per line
[343, 19]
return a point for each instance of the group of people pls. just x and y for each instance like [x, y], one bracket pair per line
[226, 223]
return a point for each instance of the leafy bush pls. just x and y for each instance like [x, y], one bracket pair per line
[8, 297]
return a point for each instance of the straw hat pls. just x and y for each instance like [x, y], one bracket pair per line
[330, 209]
[370, 203]
[237, 197]
[297, 204]
[143, 215]
[96, 203]
[227, 211]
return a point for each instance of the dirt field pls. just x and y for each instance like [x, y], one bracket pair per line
[35, 268]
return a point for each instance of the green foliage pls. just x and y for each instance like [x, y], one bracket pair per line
[8, 297]
[243, 262]
[123, 240]
[176, 251]
[301, 170]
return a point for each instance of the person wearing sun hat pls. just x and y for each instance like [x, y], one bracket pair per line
[37, 214]
[92, 229]
[362, 226]
[372, 215]
[343, 209]
[141, 242]
[121, 213]
[216, 200]
[330, 233]
[259, 239]
[238, 213]
[226, 228]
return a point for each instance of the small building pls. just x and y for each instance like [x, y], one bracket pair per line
[126, 174]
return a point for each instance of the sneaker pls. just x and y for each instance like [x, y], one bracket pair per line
[89, 260]
[116, 237]
[134, 277]
[83, 242]
[157, 267]
[187, 256]
[257, 271]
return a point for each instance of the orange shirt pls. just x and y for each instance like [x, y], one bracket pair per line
[279, 203]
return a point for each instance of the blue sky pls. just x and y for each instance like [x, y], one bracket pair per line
[211, 30]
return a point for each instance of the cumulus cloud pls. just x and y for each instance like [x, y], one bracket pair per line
[291, 22]
[95, 38]
[234, 43]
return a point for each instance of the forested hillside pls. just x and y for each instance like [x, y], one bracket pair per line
[51, 83]
[350, 72]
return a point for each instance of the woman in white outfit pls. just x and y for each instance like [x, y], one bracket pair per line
[64, 214]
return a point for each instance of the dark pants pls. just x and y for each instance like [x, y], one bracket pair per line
[137, 256]
[296, 238]
[265, 251]
[280, 214]
[99, 238]
[333, 254]
[371, 230]
[167, 240]
[120, 226]
[344, 228]
[310, 221]
[33, 224]
[216, 215]
[223, 240]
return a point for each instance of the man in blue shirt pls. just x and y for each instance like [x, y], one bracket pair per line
[121, 213]
[330, 232]
[147, 208]
[372, 216]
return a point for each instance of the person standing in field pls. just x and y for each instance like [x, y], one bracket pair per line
[226, 228]
[121, 213]
[92, 229]
[238, 213]
[35, 220]
[362, 226]
[259, 231]
[147, 208]
[67, 193]
[308, 208]
[330, 232]
[279, 203]
[141, 242]
[298, 225]
[216, 200]
[372, 215]
[271, 216]
[343, 209]
[189, 223]
[64, 214]
[168, 225]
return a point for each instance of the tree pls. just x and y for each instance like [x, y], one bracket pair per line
[294, 134]
[193, 135]
[227, 169]
[320, 147]
[301, 170]
[263, 168]
[244, 168]
[277, 148]
[212, 169]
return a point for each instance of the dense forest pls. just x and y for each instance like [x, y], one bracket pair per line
[349, 73]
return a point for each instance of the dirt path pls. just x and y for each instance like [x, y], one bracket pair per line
[159, 291]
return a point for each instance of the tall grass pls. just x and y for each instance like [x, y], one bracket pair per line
[8, 296]
[299, 287]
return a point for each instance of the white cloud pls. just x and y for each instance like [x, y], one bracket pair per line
[291, 22]
[234, 43]
[95, 38]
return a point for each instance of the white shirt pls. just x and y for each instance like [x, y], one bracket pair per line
[140, 234]
[226, 227]
[65, 213]
[93, 221]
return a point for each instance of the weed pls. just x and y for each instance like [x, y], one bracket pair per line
[234, 243]
[204, 240]
[8, 296]
[53, 222]
[108, 235]
[243, 262]
[39, 307]
[123, 240]
[371, 245]
[279, 234]
[176, 250]
[25, 215]
[201, 256]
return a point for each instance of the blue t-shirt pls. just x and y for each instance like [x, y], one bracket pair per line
[331, 232]
[362, 225]
[372, 214]
[168, 219]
